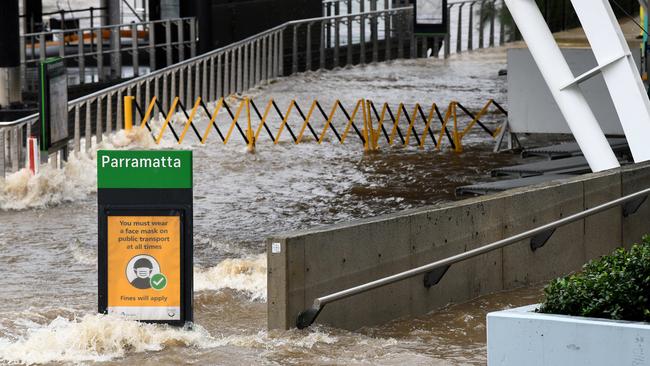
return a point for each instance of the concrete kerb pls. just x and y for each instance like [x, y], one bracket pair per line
[317, 262]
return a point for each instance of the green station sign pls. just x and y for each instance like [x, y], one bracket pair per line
[144, 169]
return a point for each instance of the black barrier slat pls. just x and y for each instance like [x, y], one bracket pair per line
[473, 117]
[322, 112]
[214, 123]
[232, 117]
[442, 123]
[500, 107]
[259, 115]
[286, 124]
[408, 119]
[196, 132]
[424, 120]
[353, 125]
[378, 117]
[392, 117]
[305, 120]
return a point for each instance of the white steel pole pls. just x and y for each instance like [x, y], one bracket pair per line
[622, 76]
[556, 73]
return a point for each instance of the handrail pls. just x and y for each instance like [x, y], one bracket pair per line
[307, 317]
[198, 58]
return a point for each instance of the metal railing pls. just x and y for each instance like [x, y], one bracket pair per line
[436, 270]
[98, 52]
[292, 47]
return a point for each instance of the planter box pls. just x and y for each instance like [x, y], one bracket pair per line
[520, 336]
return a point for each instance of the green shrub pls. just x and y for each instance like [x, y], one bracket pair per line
[616, 286]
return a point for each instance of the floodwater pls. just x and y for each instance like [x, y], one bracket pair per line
[48, 235]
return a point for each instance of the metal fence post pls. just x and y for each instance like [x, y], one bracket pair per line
[494, 9]
[100, 118]
[263, 76]
[81, 61]
[233, 71]
[100, 55]
[239, 69]
[181, 40]
[88, 129]
[193, 37]
[459, 36]
[470, 28]
[321, 47]
[204, 80]
[212, 79]
[109, 113]
[337, 43]
[362, 36]
[308, 48]
[480, 25]
[116, 55]
[119, 125]
[168, 42]
[280, 36]
[294, 51]
[2, 153]
[134, 50]
[77, 129]
[152, 46]
[219, 90]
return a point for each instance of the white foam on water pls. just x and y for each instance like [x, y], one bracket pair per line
[247, 275]
[96, 338]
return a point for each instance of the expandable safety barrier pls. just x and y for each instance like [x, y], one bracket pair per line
[369, 122]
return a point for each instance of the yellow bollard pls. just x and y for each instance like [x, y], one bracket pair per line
[128, 112]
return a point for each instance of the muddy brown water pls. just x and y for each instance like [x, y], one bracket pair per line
[48, 237]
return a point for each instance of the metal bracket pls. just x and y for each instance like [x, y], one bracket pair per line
[540, 239]
[633, 206]
[307, 317]
[432, 278]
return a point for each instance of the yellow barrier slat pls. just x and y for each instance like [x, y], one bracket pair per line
[349, 124]
[284, 122]
[170, 114]
[212, 119]
[263, 121]
[306, 122]
[328, 122]
[189, 120]
[145, 119]
[427, 126]
[380, 124]
[476, 118]
[443, 127]
[414, 117]
[393, 132]
[234, 121]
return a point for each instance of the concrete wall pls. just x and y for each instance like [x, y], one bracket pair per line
[531, 107]
[317, 262]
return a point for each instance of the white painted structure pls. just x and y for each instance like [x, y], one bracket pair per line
[520, 336]
[616, 65]
[531, 107]
[560, 80]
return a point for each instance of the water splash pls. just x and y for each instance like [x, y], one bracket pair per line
[241, 274]
[96, 338]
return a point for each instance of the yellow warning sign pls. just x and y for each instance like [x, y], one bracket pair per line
[144, 267]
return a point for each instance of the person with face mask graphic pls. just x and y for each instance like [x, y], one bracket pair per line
[142, 268]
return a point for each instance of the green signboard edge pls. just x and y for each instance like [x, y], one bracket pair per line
[147, 177]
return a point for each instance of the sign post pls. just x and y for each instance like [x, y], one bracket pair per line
[53, 107]
[430, 17]
[145, 235]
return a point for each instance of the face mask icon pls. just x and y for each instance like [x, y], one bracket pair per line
[143, 272]
[140, 269]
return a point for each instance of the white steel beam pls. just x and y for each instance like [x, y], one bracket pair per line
[556, 73]
[622, 77]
